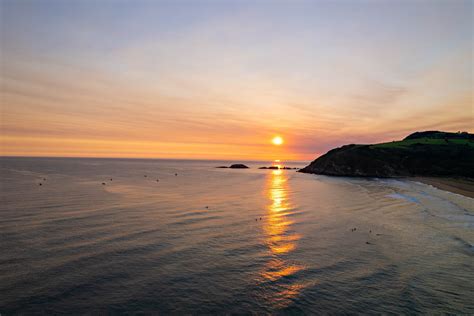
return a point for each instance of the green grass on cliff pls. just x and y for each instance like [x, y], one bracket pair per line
[424, 141]
[428, 153]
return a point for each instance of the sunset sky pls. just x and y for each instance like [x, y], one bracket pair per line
[220, 79]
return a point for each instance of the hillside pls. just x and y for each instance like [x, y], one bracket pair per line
[431, 153]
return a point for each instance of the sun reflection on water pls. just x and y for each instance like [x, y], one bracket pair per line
[280, 239]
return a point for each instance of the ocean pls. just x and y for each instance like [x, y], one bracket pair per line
[115, 236]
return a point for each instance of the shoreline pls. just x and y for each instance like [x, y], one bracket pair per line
[462, 186]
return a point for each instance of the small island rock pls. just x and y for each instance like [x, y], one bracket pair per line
[238, 166]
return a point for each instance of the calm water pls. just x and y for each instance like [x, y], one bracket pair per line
[194, 243]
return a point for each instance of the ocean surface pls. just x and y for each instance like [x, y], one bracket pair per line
[203, 240]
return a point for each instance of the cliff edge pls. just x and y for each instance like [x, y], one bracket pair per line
[430, 153]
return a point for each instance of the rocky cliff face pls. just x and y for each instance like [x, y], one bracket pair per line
[410, 157]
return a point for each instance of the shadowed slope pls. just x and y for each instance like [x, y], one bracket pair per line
[420, 154]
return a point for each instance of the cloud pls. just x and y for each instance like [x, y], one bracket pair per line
[210, 82]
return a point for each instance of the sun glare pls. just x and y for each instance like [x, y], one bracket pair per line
[277, 140]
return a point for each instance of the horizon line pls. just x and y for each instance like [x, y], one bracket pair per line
[148, 158]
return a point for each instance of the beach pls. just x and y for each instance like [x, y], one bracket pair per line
[463, 186]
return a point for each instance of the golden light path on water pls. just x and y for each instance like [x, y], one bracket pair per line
[280, 240]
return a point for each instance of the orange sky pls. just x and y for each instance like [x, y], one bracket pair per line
[218, 82]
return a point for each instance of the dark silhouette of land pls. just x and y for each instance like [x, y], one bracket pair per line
[235, 166]
[426, 155]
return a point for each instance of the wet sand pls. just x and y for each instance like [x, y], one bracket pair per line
[463, 186]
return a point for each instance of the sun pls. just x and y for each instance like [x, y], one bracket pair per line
[277, 140]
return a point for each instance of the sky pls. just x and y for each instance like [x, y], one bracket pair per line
[219, 79]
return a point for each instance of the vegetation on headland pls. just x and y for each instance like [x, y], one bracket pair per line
[431, 153]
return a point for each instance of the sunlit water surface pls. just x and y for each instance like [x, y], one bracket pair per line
[213, 240]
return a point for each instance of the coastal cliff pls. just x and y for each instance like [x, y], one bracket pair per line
[430, 153]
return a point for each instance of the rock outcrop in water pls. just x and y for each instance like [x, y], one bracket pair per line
[238, 166]
[430, 153]
[235, 166]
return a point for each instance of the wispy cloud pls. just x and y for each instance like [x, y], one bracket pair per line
[213, 81]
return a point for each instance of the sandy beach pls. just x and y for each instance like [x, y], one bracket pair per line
[463, 186]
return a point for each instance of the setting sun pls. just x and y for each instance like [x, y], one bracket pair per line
[277, 140]
[270, 153]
